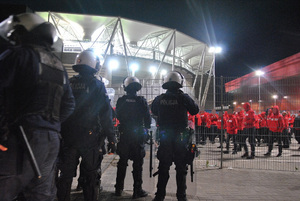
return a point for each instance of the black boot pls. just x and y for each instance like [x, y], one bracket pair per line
[279, 150]
[121, 173]
[90, 186]
[270, 147]
[137, 185]
[163, 178]
[64, 189]
[157, 198]
[245, 155]
[181, 185]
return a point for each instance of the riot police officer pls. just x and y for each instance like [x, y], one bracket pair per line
[134, 116]
[171, 109]
[81, 131]
[35, 97]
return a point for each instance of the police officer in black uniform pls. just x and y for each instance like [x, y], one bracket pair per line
[34, 94]
[171, 109]
[134, 116]
[81, 131]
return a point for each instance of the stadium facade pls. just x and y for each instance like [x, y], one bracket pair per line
[136, 48]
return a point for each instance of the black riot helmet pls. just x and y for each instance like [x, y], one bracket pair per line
[27, 28]
[132, 84]
[87, 60]
[173, 80]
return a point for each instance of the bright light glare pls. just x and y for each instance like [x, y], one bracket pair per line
[285, 97]
[259, 73]
[153, 69]
[105, 81]
[234, 103]
[275, 96]
[163, 72]
[215, 50]
[250, 101]
[134, 67]
[113, 64]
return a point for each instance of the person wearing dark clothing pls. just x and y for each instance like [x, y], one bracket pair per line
[171, 109]
[81, 131]
[34, 95]
[296, 126]
[134, 116]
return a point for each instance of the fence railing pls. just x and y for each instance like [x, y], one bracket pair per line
[261, 93]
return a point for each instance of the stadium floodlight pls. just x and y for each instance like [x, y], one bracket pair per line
[275, 98]
[163, 72]
[259, 73]
[113, 64]
[215, 50]
[153, 70]
[134, 67]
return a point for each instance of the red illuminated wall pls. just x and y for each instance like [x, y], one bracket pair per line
[282, 69]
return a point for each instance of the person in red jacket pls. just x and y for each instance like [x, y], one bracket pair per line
[276, 125]
[285, 131]
[213, 116]
[191, 121]
[264, 130]
[231, 127]
[205, 125]
[240, 118]
[219, 128]
[249, 131]
[257, 126]
[198, 123]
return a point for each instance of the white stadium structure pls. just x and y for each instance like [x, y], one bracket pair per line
[130, 47]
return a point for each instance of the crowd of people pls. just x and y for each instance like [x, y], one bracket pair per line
[242, 123]
[49, 123]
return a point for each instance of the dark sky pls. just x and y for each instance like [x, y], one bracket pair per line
[252, 33]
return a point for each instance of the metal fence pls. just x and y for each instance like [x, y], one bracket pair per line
[262, 93]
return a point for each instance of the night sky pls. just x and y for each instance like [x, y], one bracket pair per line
[252, 33]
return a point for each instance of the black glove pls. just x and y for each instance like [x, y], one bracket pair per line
[111, 147]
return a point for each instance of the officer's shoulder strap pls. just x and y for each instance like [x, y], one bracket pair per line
[46, 57]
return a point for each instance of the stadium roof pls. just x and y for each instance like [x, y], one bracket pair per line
[143, 40]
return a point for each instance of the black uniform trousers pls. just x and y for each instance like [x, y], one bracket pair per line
[272, 137]
[13, 180]
[172, 148]
[90, 162]
[250, 134]
[130, 148]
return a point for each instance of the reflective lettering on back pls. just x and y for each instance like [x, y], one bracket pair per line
[168, 102]
[130, 100]
[78, 86]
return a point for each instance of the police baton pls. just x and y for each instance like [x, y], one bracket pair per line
[151, 143]
[31, 155]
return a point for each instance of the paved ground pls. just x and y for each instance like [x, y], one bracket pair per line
[211, 183]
